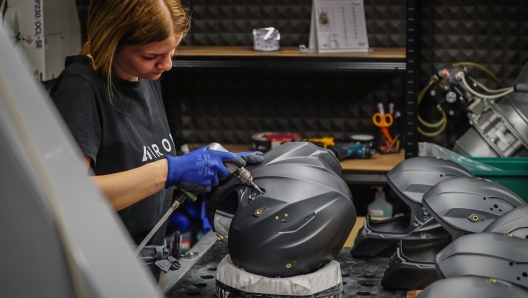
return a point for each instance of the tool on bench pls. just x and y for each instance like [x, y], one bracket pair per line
[393, 146]
[351, 150]
[324, 142]
[266, 141]
[241, 174]
[383, 121]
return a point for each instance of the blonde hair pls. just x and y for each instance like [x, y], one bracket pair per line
[113, 23]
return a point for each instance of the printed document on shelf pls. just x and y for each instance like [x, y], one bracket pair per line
[338, 26]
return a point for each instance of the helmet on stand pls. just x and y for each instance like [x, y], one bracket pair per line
[300, 222]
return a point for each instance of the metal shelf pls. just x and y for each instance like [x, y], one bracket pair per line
[412, 70]
[291, 65]
[289, 58]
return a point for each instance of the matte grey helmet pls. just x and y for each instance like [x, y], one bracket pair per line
[468, 205]
[514, 222]
[489, 255]
[472, 286]
[410, 179]
[299, 224]
[462, 206]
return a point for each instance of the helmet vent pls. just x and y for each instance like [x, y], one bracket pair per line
[230, 203]
[418, 188]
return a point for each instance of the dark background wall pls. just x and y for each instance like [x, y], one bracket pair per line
[229, 22]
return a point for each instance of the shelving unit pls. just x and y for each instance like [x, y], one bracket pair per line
[377, 60]
[391, 61]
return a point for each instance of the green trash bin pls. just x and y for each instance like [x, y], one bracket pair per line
[513, 174]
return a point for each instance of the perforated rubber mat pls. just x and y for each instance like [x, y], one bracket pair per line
[361, 277]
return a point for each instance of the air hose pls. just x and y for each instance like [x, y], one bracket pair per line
[442, 123]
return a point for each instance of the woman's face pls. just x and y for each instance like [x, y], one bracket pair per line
[145, 61]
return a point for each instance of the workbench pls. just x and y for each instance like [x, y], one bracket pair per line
[196, 277]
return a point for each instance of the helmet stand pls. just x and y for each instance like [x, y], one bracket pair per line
[234, 282]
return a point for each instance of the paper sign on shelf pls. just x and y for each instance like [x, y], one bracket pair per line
[338, 26]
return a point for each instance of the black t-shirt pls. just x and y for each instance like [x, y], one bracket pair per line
[119, 135]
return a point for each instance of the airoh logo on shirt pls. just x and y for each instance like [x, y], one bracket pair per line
[153, 151]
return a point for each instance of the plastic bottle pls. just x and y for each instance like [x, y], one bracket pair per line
[380, 208]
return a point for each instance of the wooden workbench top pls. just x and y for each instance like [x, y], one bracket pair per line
[241, 51]
[378, 162]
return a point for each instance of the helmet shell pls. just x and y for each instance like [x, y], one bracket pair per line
[514, 222]
[468, 205]
[472, 286]
[302, 220]
[488, 255]
[223, 202]
[410, 179]
[413, 177]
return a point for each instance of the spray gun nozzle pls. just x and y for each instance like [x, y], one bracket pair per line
[256, 187]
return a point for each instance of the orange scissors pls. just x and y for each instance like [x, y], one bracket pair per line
[383, 121]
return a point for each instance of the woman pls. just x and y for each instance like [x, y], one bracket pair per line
[110, 98]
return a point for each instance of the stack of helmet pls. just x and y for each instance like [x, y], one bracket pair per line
[493, 263]
[298, 225]
[410, 179]
[442, 193]
[461, 206]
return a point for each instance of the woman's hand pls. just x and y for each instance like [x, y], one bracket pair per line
[199, 170]
[252, 157]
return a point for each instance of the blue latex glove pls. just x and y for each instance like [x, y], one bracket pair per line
[199, 170]
[252, 157]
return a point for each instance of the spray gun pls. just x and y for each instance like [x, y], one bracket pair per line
[241, 174]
